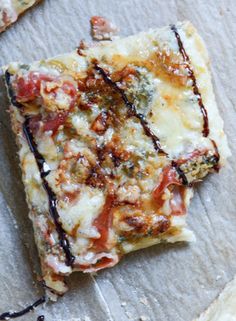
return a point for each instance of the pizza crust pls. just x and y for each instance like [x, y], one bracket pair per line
[10, 10]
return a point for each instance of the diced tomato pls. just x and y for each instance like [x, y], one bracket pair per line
[28, 87]
[68, 88]
[52, 123]
[103, 223]
[101, 122]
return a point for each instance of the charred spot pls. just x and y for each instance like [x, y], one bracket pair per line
[116, 160]
[96, 178]
[161, 226]
[113, 151]
[85, 106]
[124, 75]
[128, 168]
[82, 85]
[137, 222]
[144, 226]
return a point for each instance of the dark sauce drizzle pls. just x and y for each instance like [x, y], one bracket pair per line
[196, 92]
[217, 156]
[181, 174]
[132, 109]
[44, 171]
[13, 315]
[10, 90]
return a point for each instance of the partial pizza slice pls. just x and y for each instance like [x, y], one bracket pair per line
[111, 141]
[10, 10]
[224, 307]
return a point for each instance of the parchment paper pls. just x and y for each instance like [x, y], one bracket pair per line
[162, 283]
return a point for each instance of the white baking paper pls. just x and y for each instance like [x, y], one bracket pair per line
[163, 283]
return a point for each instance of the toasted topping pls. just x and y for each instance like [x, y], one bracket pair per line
[101, 123]
[103, 222]
[58, 95]
[128, 194]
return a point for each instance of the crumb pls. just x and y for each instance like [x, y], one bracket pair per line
[218, 277]
[143, 318]
[102, 29]
[221, 12]
[123, 304]
[82, 46]
[144, 301]
[129, 315]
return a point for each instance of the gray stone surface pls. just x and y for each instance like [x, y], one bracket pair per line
[162, 283]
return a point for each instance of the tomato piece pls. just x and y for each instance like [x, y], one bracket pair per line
[52, 123]
[103, 223]
[168, 177]
[28, 87]
[177, 202]
[101, 123]
[98, 21]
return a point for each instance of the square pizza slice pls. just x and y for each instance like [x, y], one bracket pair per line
[112, 139]
[10, 10]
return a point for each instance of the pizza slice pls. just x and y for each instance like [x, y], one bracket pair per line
[10, 10]
[111, 141]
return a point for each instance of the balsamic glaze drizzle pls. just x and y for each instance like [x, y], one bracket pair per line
[196, 91]
[13, 315]
[132, 109]
[44, 171]
[217, 156]
[11, 91]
